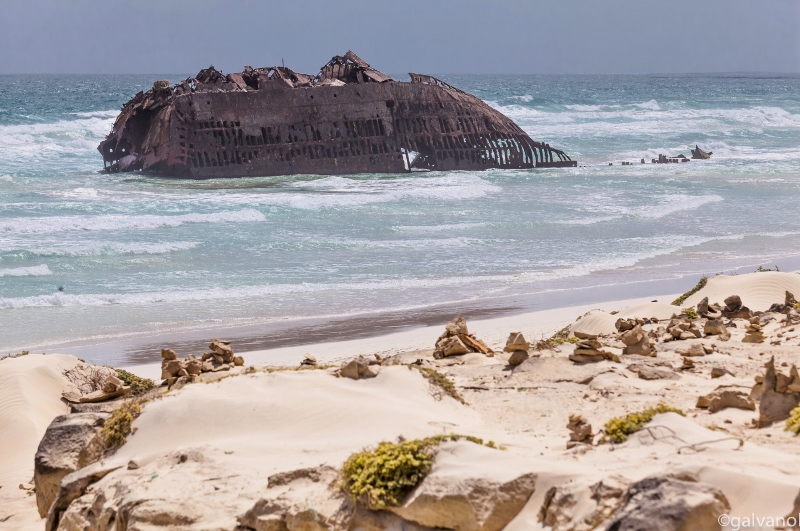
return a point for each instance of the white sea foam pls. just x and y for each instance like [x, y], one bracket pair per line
[60, 247]
[32, 271]
[24, 142]
[6, 179]
[48, 225]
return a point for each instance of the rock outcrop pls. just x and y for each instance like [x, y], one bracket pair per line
[359, 368]
[683, 329]
[457, 340]
[576, 506]
[70, 443]
[726, 396]
[476, 503]
[715, 327]
[667, 504]
[778, 394]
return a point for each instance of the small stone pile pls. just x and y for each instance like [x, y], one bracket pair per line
[688, 364]
[755, 333]
[590, 350]
[637, 342]
[778, 393]
[623, 325]
[518, 347]
[580, 431]
[112, 388]
[358, 368]
[682, 329]
[457, 340]
[221, 358]
[308, 360]
[734, 309]
[704, 310]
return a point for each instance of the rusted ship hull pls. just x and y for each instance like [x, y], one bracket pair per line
[282, 128]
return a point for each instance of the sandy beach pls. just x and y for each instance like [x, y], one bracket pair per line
[263, 444]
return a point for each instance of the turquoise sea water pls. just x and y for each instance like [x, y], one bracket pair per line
[136, 254]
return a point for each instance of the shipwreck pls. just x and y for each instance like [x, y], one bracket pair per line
[349, 118]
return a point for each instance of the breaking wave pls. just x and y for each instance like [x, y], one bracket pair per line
[48, 225]
[33, 271]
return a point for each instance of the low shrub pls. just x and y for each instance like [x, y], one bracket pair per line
[793, 422]
[138, 384]
[618, 429]
[17, 355]
[700, 285]
[382, 477]
[440, 382]
[119, 426]
[691, 313]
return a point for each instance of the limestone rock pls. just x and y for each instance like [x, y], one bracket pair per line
[719, 372]
[308, 360]
[584, 335]
[193, 366]
[302, 500]
[168, 354]
[576, 506]
[623, 325]
[726, 396]
[649, 372]
[715, 327]
[70, 443]
[515, 342]
[517, 357]
[695, 349]
[476, 503]
[72, 487]
[754, 334]
[789, 299]
[238, 361]
[591, 351]
[702, 307]
[358, 368]
[452, 346]
[170, 368]
[457, 326]
[667, 504]
[777, 394]
[637, 342]
[688, 364]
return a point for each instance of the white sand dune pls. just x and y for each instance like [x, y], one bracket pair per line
[758, 291]
[30, 398]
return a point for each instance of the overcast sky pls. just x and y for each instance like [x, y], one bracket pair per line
[428, 36]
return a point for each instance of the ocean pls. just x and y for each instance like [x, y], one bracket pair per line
[95, 264]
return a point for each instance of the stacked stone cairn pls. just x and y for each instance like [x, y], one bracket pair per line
[221, 358]
[518, 347]
[788, 304]
[681, 328]
[623, 325]
[580, 431]
[457, 340]
[590, 350]
[778, 393]
[755, 333]
[308, 361]
[637, 342]
[734, 309]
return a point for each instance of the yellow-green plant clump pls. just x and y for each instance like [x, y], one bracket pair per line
[382, 477]
[691, 313]
[618, 429]
[793, 422]
[118, 427]
[442, 382]
[20, 354]
[138, 384]
[700, 285]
